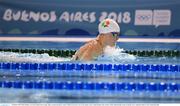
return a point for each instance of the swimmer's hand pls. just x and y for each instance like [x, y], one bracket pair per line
[74, 58]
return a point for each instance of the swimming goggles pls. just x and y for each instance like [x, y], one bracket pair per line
[115, 34]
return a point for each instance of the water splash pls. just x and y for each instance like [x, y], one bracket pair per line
[115, 55]
[29, 57]
[111, 55]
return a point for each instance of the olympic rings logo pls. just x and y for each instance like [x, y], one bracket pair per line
[144, 17]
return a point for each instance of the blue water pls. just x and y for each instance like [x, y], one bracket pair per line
[115, 57]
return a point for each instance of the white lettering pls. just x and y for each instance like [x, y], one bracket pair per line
[85, 16]
[16, 16]
[113, 16]
[7, 15]
[24, 16]
[44, 16]
[92, 17]
[34, 16]
[77, 17]
[10, 15]
[53, 16]
[103, 16]
[65, 16]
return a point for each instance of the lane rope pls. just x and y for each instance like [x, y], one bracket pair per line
[70, 53]
[79, 85]
[93, 67]
[91, 70]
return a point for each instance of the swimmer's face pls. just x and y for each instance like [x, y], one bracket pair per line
[111, 38]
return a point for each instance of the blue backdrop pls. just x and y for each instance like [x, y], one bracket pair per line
[137, 18]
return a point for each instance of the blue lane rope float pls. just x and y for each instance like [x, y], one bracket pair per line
[79, 85]
[79, 89]
[69, 53]
[93, 70]
[82, 66]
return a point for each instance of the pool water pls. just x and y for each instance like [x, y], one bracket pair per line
[114, 56]
[111, 55]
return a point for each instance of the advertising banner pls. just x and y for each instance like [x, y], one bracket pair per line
[137, 18]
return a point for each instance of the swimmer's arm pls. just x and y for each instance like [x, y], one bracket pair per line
[84, 57]
[80, 52]
[87, 56]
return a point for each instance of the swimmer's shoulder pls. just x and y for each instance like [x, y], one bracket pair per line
[89, 45]
[86, 46]
[93, 42]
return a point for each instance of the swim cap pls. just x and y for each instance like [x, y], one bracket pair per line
[107, 26]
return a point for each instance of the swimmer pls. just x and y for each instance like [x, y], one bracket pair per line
[109, 32]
